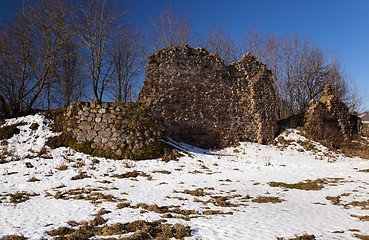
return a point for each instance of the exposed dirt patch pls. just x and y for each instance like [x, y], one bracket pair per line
[33, 179]
[267, 199]
[362, 218]
[303, 236]
[132, 174]
[283, 141]
[89, 194]
[364, 205]
[9, 131]
[171, 154]
[161, 171]
[80, 176]
[305, 185]
[363, 237]
[334, 200]
[309, 185]
[21, 197]
[141, 229]
[198, 192]
[168, 211]
[14, 237]
[364, 170]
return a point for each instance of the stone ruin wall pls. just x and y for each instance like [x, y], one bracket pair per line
[199, 100]
[114, 130]
[329, 117]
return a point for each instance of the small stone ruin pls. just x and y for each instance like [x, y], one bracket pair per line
[201, 101]
[329, 119]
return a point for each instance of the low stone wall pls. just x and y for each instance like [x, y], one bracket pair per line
[113, 130]
[201, 101]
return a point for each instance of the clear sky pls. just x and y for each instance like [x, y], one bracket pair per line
[339, 25]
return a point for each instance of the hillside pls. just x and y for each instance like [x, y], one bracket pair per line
[252, 191]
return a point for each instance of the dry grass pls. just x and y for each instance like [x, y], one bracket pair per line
[267, 199]
[198, 192]
[44, 153]
[300, 236]
[80, 176]
[89, 194]
[9, 131]
[141, 230]
[364, 205]
[161, 171]
[362, 218]
[33, 179]
[356, 147]
[363, 237]
[21, 197]
[132, 174]
[306, 185]
[63, 166]
[14, 237]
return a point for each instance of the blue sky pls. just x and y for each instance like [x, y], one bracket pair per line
[339, 25]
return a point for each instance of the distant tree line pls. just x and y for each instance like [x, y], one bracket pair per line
[54, 52]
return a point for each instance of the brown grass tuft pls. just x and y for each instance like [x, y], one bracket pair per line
[80, 176]
[363, 237]
[362, 218]
[307, 185]
[161, 171]
[303, 236]
[21, 197]
[14, 237]
[33, 179]
[266, 199]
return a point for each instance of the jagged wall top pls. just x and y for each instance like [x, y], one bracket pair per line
[200, 100]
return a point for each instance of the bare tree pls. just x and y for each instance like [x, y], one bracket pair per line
[98, 23]
[169, 28]
[300, 69]
[52, 23]
[70, 81]
[127, 63]
[218, 41]
[29, 53]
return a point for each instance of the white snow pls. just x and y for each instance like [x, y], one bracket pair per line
[232, 172]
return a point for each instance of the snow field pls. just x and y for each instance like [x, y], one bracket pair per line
[232, 173]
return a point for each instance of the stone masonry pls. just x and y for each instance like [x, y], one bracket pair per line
[329, 117]
[114, 130]
[199, 100]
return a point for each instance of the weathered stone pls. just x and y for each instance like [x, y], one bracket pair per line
[119, 152]
[201, 101]
[329, 119]
[107, 134]
[98, 119]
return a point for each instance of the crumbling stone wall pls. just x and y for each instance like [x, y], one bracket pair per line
[114, 130]
[201, 101]
[329, 119]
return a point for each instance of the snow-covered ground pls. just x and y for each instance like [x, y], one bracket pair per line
[240, 175]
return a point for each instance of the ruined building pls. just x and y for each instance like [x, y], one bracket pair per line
[329, 119]
[201, 101]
